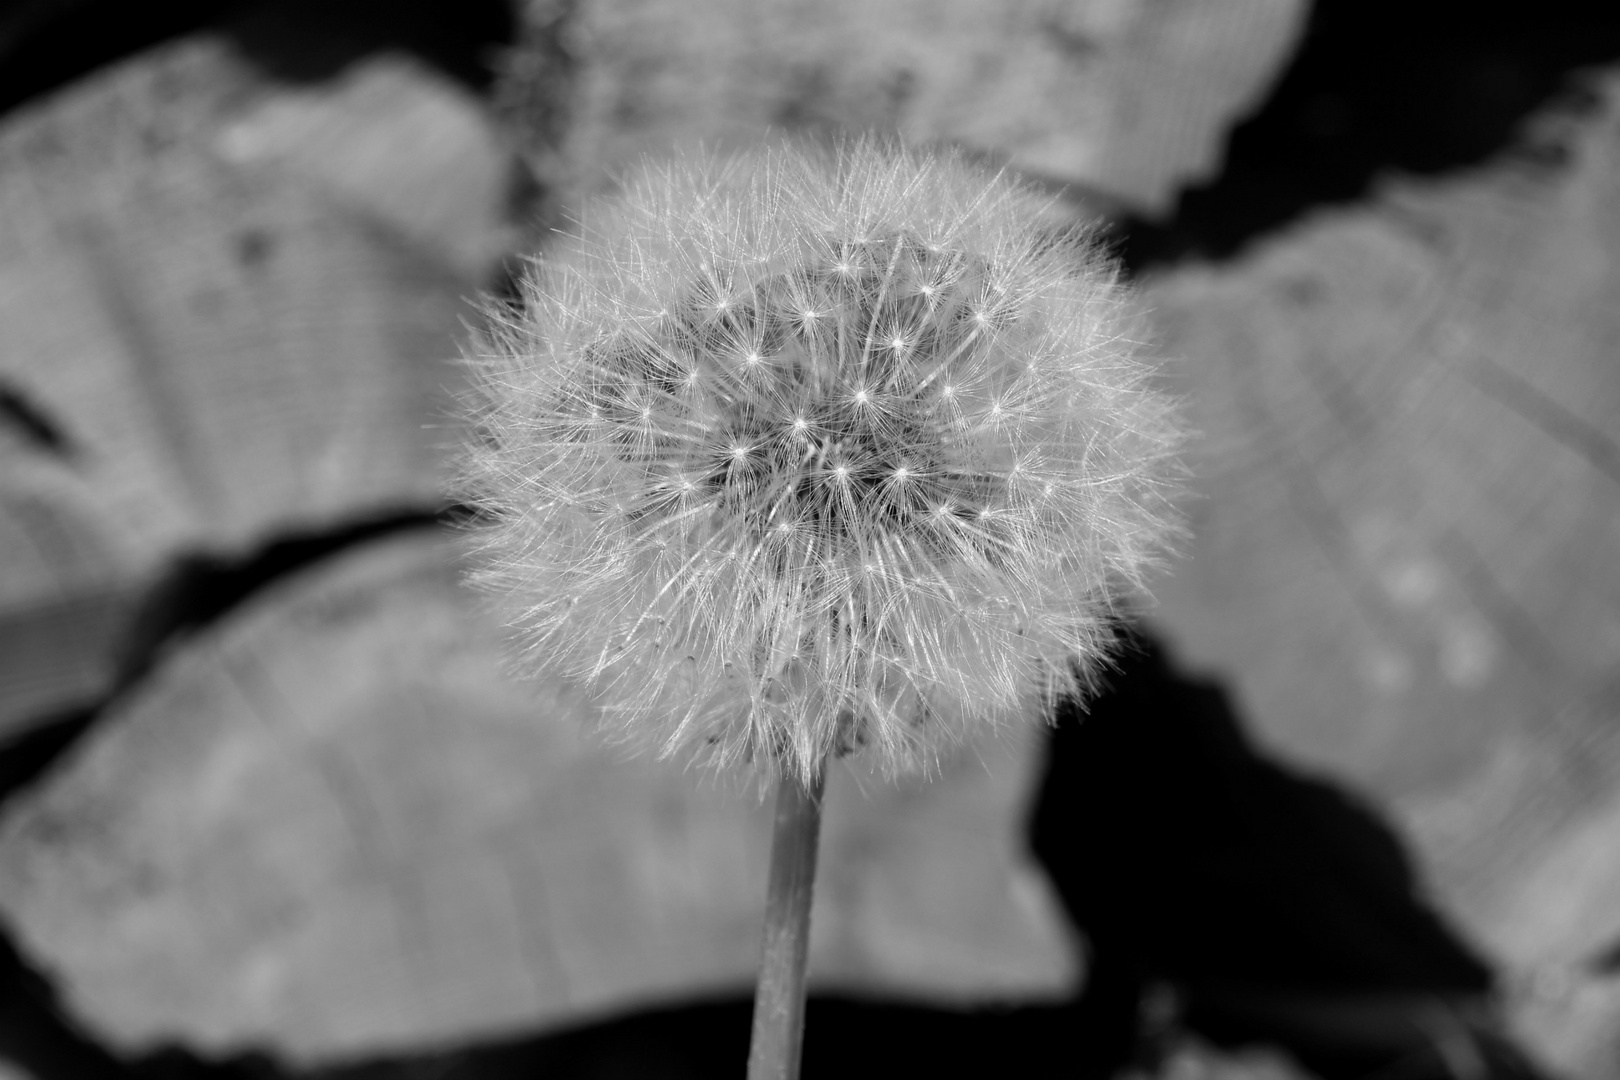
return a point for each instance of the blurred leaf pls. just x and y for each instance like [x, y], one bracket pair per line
[199, 355]
[328, 827]
[1405, 554]
[1130, 100]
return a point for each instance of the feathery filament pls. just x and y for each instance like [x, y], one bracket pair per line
[790, 457]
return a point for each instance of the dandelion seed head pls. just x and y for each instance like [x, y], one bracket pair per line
[914, 509]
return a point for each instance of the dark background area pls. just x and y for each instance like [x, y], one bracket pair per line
[1219, 892]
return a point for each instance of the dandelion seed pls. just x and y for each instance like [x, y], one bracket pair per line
[916, 522]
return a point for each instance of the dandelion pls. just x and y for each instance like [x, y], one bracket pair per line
[791, 457]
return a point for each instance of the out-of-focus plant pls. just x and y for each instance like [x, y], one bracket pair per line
[792, 456]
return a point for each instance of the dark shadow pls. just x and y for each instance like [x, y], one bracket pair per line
[1379, 87]
[312, 40]
[202, 589]
[34, 1033]
[33, 425]
[844, 1040]
[46, 45]
[1275, 907]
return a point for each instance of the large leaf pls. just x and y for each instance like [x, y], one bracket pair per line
[329, 827]
[1405, 551]
[204, 345]
[1130, 100]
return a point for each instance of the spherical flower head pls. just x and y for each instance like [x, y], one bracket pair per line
[792, 455]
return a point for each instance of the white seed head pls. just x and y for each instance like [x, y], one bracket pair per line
[912, 512]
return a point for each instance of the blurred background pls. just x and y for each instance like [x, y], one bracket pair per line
[1348, 808]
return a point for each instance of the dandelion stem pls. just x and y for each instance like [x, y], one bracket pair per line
[778, 1035]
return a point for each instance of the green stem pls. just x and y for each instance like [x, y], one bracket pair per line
[778, 1038]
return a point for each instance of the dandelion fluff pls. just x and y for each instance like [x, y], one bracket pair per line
[789, 456]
